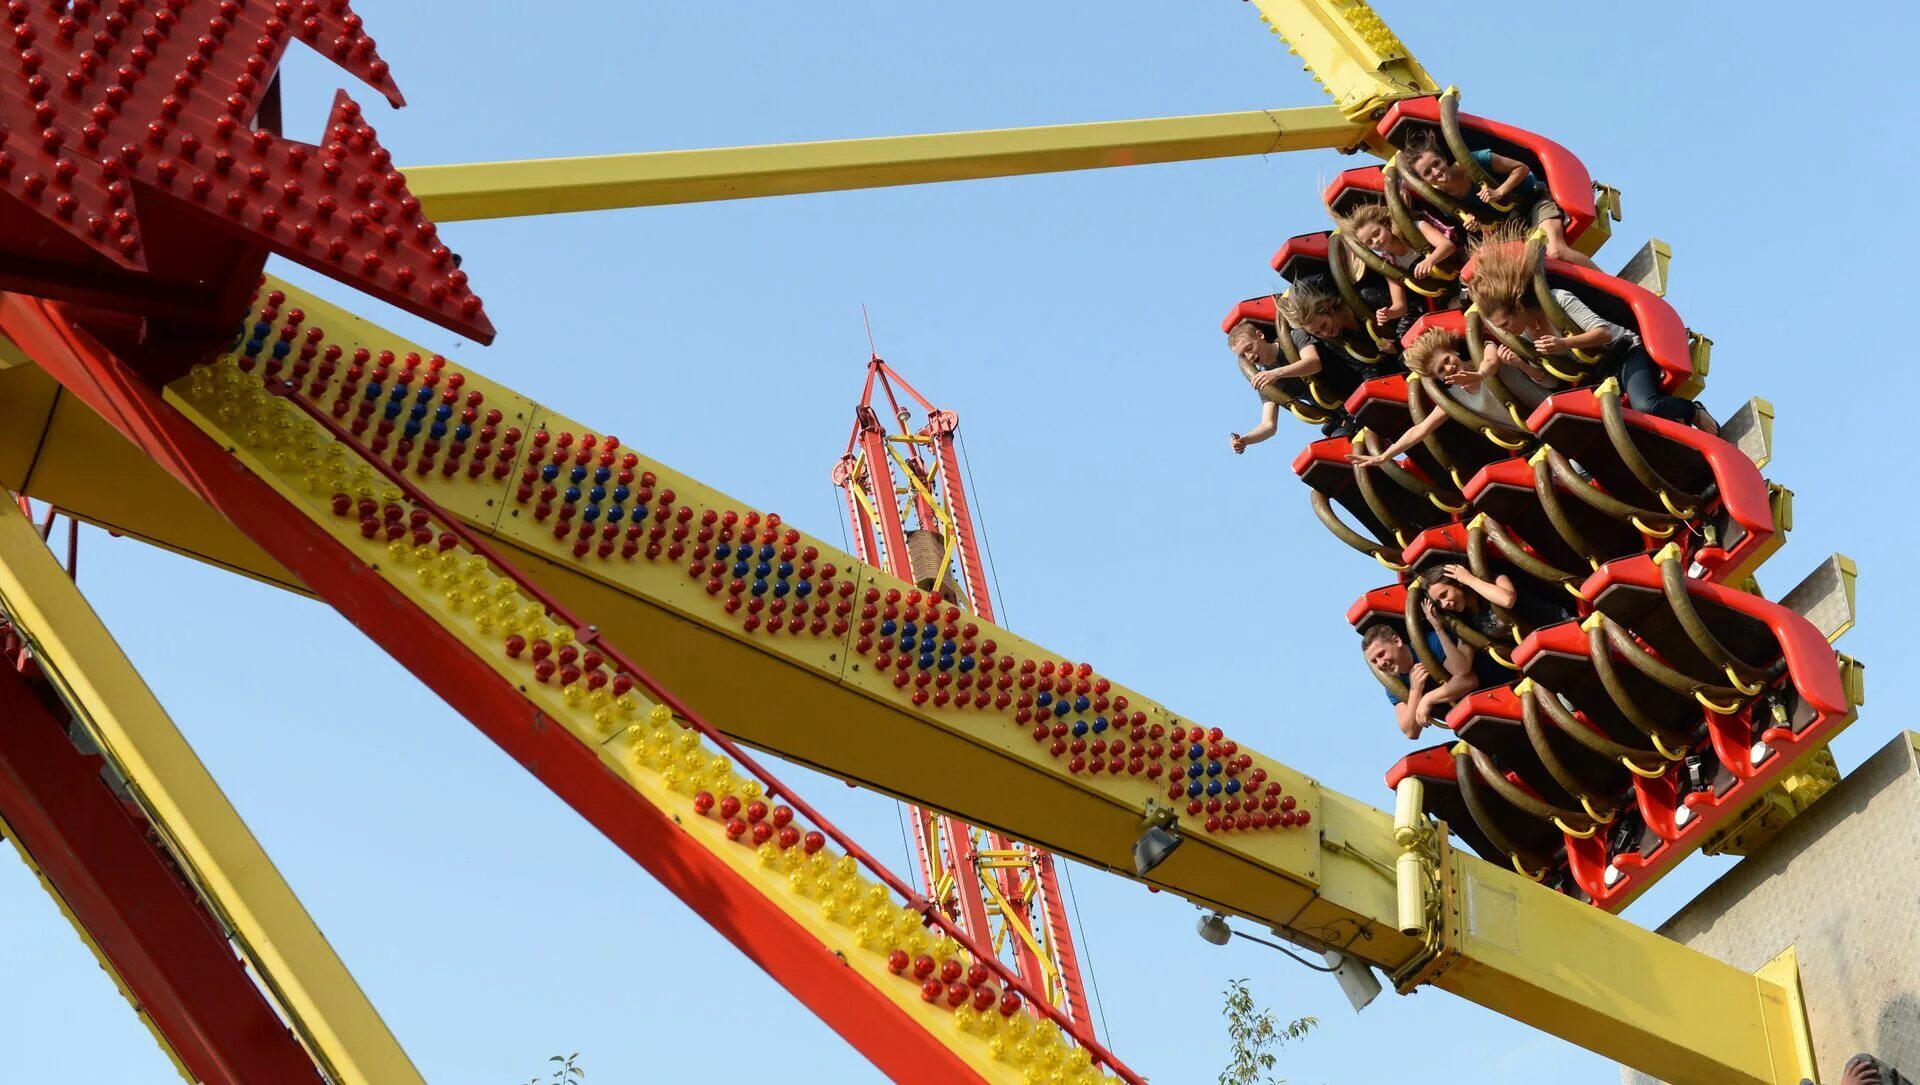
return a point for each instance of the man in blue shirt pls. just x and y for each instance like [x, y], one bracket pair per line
[1426, 701]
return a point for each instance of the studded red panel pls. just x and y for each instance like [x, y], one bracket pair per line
[138, 172]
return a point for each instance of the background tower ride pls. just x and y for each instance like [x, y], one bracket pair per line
[909, 514]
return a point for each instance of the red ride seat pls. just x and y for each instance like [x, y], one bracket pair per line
[1566, 178]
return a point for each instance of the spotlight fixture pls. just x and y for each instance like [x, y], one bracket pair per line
[1355, 977]
[1159, 837]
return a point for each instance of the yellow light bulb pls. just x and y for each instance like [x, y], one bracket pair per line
[661, 715]
[562, 636]
[573, 695]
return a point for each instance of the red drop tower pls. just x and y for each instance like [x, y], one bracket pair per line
[910, 516]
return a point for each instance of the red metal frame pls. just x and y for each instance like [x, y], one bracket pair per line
[941, 466]
[104, 860]
[865, 1017]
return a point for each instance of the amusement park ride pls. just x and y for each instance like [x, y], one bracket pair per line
[622, 629]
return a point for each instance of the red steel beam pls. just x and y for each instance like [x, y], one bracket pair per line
[866, 1018]
[119, 885]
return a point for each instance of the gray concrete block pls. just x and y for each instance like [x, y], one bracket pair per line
[1838, 884]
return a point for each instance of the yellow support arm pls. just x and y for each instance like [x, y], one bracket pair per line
[1492, 937]
[327, 1008]
[1350, 52]
[560, 185]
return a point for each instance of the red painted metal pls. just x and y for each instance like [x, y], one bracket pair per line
[867, 1019]
[105, 861]
[937, 463]
[139, 181]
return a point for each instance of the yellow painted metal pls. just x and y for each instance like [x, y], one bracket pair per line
[1521, 949]
[1611, 986]
[1018, 928]
[327, 1009]
[54, 449]
[1784, 971]
[638, 741]
[1349, 51]
[11, 355]
[559, 185]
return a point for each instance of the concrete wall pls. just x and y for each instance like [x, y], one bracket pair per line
[1841, 884]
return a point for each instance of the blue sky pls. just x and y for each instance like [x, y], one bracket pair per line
[1072, 322]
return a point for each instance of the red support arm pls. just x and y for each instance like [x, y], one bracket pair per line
[105, 863]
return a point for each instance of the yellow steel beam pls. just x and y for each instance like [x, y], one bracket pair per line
[1350, 52]
[286, 949]
[11, 355]
[1611, 986]
[54, 449]
[558, 185]
[1587, 976]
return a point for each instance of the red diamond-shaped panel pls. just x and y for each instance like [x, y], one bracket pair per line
[129, 127]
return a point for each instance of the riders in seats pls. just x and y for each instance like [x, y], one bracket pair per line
[1529, 203]
[1260, 360]
[1428, 696]
[1329, 338]
[1503, 291]
[1371, 224]
[1440, 358]
[1329, 345]
[1456, 592]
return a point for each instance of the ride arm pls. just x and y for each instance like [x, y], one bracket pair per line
[1396, 307]
[1415, 434]
[1515, 174]
[1307, 366]
[1269, 421]
[1410, 714]
[1499, 591]
[1442, 248]
[1497, 355]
